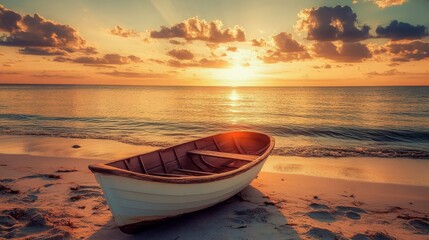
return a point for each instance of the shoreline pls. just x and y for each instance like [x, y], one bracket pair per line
[365, 169]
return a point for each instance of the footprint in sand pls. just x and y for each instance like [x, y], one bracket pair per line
[248, 216]
[30, 198]
[83, 192]
[7, 180]
[352, 209]
[7, 221]
[322, 216]
[420, 225]
[350, 212]
[257, 214]
[372, 236]
[319, 206]
[323, 234]
[30, 223]
[353, 215]
[44, 176]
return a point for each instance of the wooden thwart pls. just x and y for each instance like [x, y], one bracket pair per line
[192, 171]
[169, 175]
[235, 156]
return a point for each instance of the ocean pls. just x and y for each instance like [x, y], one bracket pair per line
[390, 122]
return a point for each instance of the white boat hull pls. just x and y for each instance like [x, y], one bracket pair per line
[134, 201]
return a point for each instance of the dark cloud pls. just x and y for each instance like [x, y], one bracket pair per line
[286, 49]
[346, 52]
[408, 51]
[181, 54]
[88, 50]
[203, 63]
[400, 30]
[122, 32]
[259, 42]
[285, 43]
[32, 32]
[9, 20]
[42, 51]
[133, 74]
[331, 24]
[199, 29]
[36, 31]
[114, 59]
[278, 56]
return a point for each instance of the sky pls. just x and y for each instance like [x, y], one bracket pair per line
[215, 43]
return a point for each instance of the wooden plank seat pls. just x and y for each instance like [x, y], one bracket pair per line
[234, 156]
[186, 173]
[168, 175]
[193, 171]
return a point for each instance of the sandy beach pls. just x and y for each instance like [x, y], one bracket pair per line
[57, 197]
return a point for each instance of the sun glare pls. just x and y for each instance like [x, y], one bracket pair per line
[238, 73]
[242, 70]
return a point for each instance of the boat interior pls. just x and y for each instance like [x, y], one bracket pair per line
[206, 156]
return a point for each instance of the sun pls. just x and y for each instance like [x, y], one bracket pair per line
[242, 71]
[237, 73]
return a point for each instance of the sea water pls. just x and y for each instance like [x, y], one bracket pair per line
[390, 122]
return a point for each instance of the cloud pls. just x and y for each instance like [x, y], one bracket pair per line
[9, 20]
[114, 59]
[199, 29]
[286, 49]
[181, 54]
[8, 73]
[156, 60]
[346, 52]
[232, 49]
[259, 42]
[175, 42]
[395, 72]
[408, 51]
[122, 32]
[203, 63]
[285, 43]
[278, 56]
[42, 51]
[332, 24]
[212, 46]
[133, 74]
[36, 31]
[386, 73]
[326, 66]
[45, 74]
[385, 3]
[400, 30]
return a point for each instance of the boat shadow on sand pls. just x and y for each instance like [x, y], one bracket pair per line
[247, 215]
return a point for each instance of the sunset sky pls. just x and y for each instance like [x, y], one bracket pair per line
[226, 43]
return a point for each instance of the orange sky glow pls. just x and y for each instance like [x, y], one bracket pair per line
[240, 43]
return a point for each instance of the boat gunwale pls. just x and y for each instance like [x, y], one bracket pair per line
[103, 168]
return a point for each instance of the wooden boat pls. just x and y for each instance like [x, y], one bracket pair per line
[181, 179]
